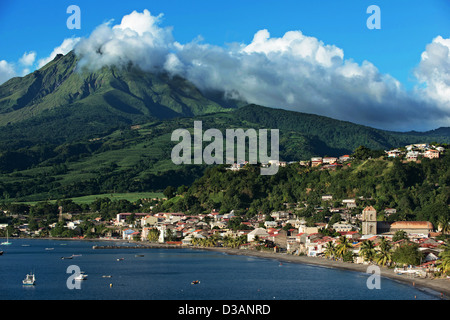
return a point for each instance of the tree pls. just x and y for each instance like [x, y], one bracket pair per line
[182, 189]
[384, 255]
[363, 153]
[131, 218]
[153, 234]
[169, 192]
[335, 218]
[444, 223]
[343, 246]
[445, 258]
[400, 235]
[407, 254]
[330, 250]
[368, 250]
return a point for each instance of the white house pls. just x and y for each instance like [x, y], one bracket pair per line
[128, 234]
[271, 224]
[258, 232]
[342, 227]
[72, 225]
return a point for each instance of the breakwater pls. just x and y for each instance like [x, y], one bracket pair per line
[147, 246]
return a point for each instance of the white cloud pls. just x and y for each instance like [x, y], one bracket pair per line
[6, 71]
[294, 72]
[28, 58]
[137, 39]
[434, 71]
[300, 73]
[66, 46]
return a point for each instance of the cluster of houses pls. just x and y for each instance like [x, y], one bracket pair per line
[411, 152]
[284, 230]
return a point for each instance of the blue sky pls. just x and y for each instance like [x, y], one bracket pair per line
[407, 26]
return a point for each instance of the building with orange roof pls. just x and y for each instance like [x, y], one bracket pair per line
[413, 227]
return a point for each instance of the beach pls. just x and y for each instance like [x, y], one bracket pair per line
[439, 285]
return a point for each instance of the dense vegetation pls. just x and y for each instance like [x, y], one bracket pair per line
[139, 159]
[419, 191]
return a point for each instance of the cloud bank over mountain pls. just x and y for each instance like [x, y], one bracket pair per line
[295, 72]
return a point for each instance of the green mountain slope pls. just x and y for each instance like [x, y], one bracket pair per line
[138, 158]
[73, 103]
[66, 132]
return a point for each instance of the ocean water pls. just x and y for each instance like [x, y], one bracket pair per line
[166, 274]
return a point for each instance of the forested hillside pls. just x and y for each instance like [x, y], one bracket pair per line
[419, 191]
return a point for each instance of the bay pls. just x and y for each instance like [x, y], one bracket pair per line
[166, 274]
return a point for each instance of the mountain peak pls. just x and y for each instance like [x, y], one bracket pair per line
[60, 89]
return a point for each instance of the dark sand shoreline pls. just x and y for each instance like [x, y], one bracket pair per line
[438, 286]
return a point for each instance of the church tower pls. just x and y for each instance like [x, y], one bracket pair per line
[369, 221]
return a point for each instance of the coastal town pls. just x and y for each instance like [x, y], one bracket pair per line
[352, 230]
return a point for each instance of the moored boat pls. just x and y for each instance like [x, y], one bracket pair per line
[6, 243]
[81, 276]
[29, 280]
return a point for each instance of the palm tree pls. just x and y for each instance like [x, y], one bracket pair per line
[384, 255]
[330, 250]
[343, 246]
[445, 258]
[367, 250]
[227, 241]
[443, 222]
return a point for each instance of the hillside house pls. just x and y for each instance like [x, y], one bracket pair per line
[393, 153]
[431, 154]
[329, 160]
[316, 161]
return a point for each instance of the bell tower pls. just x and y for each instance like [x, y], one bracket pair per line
[369, 221]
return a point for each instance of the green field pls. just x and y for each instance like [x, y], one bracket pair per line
[132, 196]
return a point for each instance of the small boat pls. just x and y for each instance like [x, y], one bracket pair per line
[106, 276]
[49, 249]
[6, 243]
[81, 276]
[195, 282]
[139, 255]
[64, 258]
[120, 259]
[1, 252]
[29, 280]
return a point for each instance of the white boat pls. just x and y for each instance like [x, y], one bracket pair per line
[7, 240]
[81, 276]
[29, 280]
